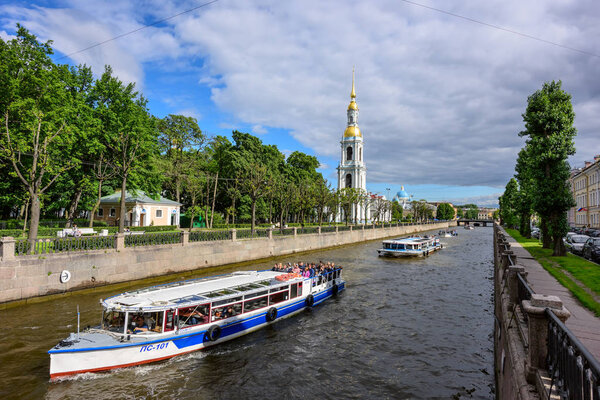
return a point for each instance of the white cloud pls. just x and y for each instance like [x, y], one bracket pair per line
[440, 98]
[490, 200]
[259, 130]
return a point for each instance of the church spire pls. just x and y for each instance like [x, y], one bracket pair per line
[353, 93]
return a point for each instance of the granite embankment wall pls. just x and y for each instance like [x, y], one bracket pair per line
[27, 276]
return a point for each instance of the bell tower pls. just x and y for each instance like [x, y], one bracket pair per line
[352, 172]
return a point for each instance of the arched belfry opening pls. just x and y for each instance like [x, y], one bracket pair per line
[348, 180]
[349, 153]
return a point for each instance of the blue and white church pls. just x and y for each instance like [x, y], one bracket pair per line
[352, 171]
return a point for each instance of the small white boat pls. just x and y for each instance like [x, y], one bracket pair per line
[165, 321]
[447, 233]
[410, 246]
[470, 227]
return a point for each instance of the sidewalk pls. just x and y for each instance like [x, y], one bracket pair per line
[583, 323]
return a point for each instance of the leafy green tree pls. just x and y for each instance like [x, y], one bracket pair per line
[524, 205]
[38, 115]
[445, 211]
[460, 213]
[472, 212]
[508, 204]
[180, 139]
[397, 211]
[549, 128]
[129, 130]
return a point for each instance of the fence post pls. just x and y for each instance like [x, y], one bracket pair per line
[270, 233]
[295, 231]
[350, 228]
[538, 330]
[185, 238]
[319, 230]
[336, 229]
[119, 241]
[233, 235]
[7, 248]
[513, 282]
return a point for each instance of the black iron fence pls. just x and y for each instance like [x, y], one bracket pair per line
[208, 236]
[56, 245]
[574, 371]
[59, 245]
[152, 239]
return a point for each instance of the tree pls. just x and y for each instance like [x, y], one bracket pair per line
[38, 115]
[397, 211]
[178, 135]
[508, 204]
[129, 130]
[524, 204]
[445, 211]
[549, 119]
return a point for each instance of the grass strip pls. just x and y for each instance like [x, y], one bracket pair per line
[581, 269]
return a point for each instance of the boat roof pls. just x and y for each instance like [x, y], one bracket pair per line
[196, 291]
[409, 240]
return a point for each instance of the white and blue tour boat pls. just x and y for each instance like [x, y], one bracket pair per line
[410, 246]
[165, 321]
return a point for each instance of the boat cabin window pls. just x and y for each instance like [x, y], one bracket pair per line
[227, 311]
[194, 315]
[113, 321]
[257, 294]
[254, 304]
[293, 291]
[169, 320]
[139, 322]
[227, 301]
[279, 297]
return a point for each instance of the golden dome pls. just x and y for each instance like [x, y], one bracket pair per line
[352, 105]
[352, 131]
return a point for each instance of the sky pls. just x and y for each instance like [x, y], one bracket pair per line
[441, 97]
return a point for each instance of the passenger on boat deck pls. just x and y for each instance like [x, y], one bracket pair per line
[217, 315]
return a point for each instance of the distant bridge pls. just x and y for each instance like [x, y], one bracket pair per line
[475, 222]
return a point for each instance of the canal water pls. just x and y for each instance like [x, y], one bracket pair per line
[403, 329]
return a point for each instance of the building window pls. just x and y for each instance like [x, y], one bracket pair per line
[360, 154]
[113, 212]
[101, 212]
[158, 213]
[349, 180]
[349, 153]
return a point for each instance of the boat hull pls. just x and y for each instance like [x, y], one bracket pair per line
[70, 362]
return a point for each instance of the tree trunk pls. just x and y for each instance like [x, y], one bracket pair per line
[281, 220]
[212, 213]
[34, 217]
[74, 203]
[25, 211]
[544, 232]
[207, 201]
[253, 216]
[95, 208]
[123, 206]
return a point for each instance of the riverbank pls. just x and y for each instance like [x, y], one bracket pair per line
[29, 277]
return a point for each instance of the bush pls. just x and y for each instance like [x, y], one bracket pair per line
[16, 233]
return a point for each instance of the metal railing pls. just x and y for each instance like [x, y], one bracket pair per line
[83, 243]
[59, 245]
[574, 371]
[153, 239]
[307, 230]
[525, 291]
[209, 236]
[248, 234]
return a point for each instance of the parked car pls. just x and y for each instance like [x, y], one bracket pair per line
[574, 243]
[592, 232]
[591, 249]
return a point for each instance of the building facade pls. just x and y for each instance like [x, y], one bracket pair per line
[352, 171]
[142, 210]
[585, 184]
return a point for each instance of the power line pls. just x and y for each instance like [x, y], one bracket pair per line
[501, 28]
[138, 29]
